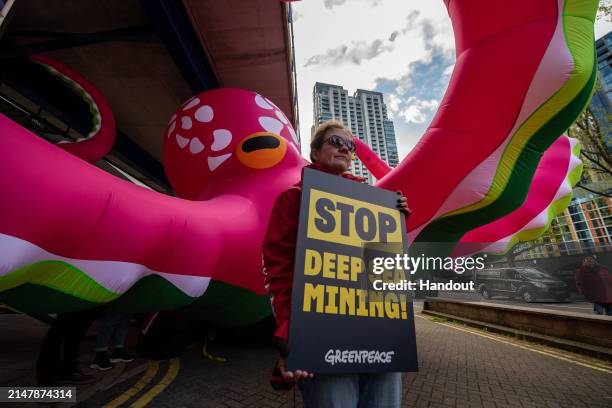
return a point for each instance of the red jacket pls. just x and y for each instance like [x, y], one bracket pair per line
[279, 252]
[595, 284]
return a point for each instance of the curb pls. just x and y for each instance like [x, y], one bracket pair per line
[570, 345]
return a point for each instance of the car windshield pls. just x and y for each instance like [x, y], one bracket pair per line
[534, 274]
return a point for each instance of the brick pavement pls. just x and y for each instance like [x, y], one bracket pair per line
[457, 369]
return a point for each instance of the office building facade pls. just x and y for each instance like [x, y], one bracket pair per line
[601, 104]
[584, 227]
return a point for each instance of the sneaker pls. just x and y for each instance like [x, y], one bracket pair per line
[101, 362]
[121, 356]
[76, 378]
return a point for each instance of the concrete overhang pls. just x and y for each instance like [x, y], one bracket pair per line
[247, 44]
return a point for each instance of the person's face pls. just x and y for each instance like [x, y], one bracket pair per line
[332, 158]
[589, 261]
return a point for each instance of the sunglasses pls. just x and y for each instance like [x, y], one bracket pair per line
[339, 142]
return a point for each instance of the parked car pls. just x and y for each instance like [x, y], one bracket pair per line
[528, 284]
[567, 274]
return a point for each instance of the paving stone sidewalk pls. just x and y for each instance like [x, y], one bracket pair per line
[457, 369]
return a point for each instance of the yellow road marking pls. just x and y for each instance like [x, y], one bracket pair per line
[584, 359]
[210, 356]
[535, 350]
[146, 378]
[153, 392]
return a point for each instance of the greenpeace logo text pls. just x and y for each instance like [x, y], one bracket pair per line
[358, 356]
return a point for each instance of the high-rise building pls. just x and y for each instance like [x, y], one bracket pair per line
[603, 48]
[601, 104]
[365, 113]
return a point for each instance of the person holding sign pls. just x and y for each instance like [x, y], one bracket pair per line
[332, 149]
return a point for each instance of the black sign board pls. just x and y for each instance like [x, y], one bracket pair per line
[339, 322]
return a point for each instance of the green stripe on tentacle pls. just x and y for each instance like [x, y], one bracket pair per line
[222, 303]
[57, 286]
[60, 276]
[555, 208]
[229, 305]
[577, 26]
[578, 29]
[452, 228]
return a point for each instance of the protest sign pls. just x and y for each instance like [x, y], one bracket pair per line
[339, 322]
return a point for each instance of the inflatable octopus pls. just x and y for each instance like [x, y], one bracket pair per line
[491, 168]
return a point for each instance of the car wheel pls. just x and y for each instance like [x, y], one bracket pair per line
[485, 293]
[528, 296]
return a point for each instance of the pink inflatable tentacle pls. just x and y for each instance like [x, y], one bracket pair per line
[455, 144]
[102, 137]
[88, 223]
[373, 163]
[121, 222]
[551, 183]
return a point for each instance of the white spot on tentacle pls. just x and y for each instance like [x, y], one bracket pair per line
[182, 141]
[191, 103]
[171, 129]
[204, 114]
[195, 146]
[294, 136]
[214, 162]
[261, 102]
[270, 124]
[172, 118]
[222, 138]
[186, 122]
[282, 117]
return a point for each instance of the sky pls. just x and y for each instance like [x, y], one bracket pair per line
[404, 49]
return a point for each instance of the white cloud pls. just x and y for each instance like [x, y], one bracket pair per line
[329, 4]
[406, 36]
[603, 25]
[295, 15]
[418, 111]
[411, 21]
[358, 52]
[449, 70]
[392, 101]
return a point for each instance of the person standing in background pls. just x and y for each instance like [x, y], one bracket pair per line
[112, 324]
[595, 283]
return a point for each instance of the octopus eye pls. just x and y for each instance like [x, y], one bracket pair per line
[260, 142]
[261, 150]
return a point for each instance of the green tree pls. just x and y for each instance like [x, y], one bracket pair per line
[594, 154]
[604, 11]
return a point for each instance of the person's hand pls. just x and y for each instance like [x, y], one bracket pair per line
[292, 375]
[283, 347]
[402, 204]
